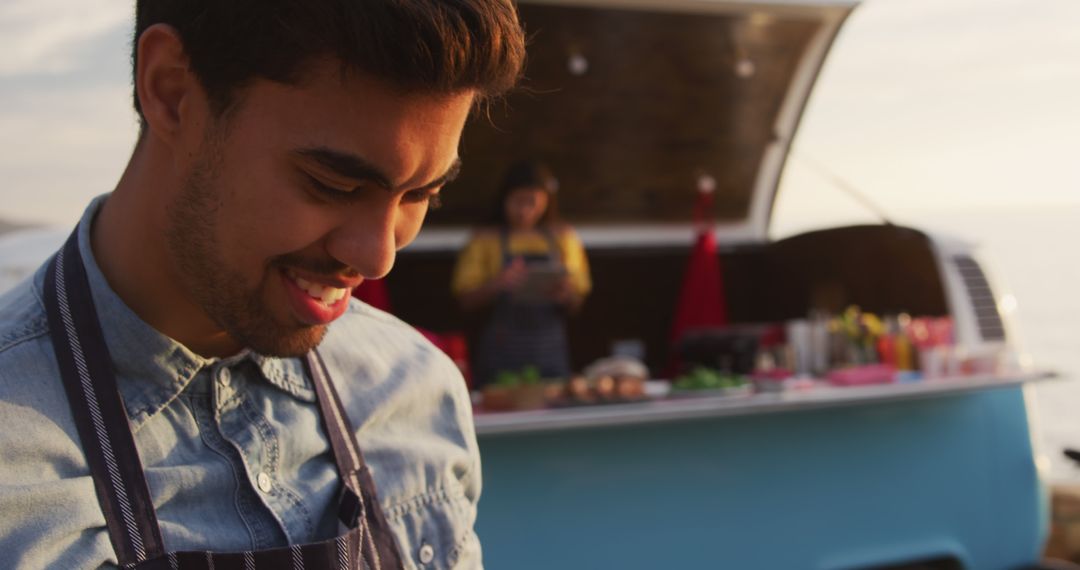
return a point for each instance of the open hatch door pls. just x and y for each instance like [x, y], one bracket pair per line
[633, 101]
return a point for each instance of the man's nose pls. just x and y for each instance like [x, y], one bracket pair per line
[366, 241]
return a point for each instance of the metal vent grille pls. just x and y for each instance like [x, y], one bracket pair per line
[982, 298]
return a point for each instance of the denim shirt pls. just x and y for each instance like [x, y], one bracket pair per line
[233, 449]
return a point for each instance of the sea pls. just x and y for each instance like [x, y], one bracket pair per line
[1032, 252]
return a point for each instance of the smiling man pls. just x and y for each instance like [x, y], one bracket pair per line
[188, 383]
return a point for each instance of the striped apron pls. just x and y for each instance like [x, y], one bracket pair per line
[86, 369]
[520, 334]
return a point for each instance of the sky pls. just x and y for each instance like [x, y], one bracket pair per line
[922, 105]
[941, 105]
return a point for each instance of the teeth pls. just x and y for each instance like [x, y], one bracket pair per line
[332, 295]
[328, 295]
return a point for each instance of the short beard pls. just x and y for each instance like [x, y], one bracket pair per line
[194, 244]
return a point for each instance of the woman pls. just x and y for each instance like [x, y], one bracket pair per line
[529, 270]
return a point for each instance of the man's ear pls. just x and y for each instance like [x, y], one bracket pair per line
[164, 83]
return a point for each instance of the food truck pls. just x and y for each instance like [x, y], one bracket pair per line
[636, 104]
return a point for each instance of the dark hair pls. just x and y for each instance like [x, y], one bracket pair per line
[531, 174]
[418, 45]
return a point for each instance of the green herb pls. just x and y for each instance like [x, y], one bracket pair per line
[527, 376]
[702, 378]
[530, 375]
[506, 379]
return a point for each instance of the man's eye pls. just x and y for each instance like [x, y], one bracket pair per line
[326, 190]
[433, 199]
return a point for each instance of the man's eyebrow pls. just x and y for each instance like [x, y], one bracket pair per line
[346, 165]
[356, 168]
[447, 178]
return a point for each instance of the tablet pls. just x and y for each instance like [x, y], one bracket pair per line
[539, 282]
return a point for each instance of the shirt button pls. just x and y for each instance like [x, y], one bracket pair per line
[427, 554]
[265, 484]
[225, 377]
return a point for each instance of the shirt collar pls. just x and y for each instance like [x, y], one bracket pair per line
[151, 368]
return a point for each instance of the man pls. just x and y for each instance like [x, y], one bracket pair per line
[288, 149]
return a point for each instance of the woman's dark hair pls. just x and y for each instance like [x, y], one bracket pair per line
[531, 174]
[417, 45]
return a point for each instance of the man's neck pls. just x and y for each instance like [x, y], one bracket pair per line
[130, 246]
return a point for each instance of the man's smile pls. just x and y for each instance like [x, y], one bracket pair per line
[327, 294]
[316, 303]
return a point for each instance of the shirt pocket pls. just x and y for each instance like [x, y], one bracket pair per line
[435, 530]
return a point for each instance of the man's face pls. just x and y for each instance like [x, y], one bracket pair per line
[301, 193]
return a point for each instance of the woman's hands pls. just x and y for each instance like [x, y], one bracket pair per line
[565, 294]
[511, 277]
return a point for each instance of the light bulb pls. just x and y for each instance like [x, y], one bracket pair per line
[577, 64]
[745, 68]
[706, 184]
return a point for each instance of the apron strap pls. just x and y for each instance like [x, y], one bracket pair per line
[555, 255]
[336, 423]
[504, 245]
[379, 547]
[100, 416]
